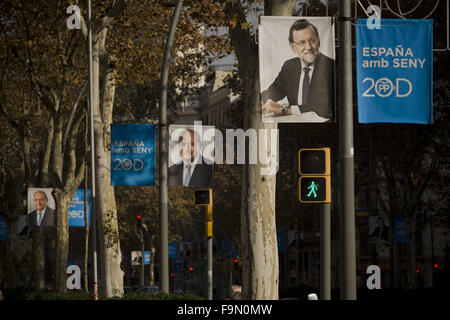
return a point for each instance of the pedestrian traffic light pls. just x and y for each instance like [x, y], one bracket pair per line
[203, 197]
[314, 161]
[314, 185]
[315, 189]
[139, 221]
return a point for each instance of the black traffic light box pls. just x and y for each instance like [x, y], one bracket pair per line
[314, 185]
[203, 197]
[314, 161]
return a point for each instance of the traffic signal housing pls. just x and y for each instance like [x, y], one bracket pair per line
[203, 197]
[314, 161]
[314, 184]
[139, 221]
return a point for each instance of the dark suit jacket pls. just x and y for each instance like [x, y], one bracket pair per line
[201, 177]
[47, 221]
[321, 90]
[384, 235]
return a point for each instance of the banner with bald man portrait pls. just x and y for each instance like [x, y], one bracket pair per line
[41, 207]
[296, 66]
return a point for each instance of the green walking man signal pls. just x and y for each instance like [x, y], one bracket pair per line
[313, 188]
[314, 185]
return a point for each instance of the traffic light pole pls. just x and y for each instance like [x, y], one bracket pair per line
[92, 151]
[142, 258]
[209, 249]
[163, 160]
[210, 268]
[346, 157]
[325, 252]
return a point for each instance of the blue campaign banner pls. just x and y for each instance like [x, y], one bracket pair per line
[133, 154]
[146, 258]
[394, 71]
[76, 209]
[400, 229]
[3, 230]
[173, 248]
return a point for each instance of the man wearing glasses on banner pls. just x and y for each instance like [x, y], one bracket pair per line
[306, 81]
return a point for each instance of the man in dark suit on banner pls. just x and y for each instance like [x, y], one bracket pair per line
[191, 171]
[307, 81]
[43, 215]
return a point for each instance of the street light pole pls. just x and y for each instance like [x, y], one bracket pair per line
[346, 157]
[92, 147]
[163, 160]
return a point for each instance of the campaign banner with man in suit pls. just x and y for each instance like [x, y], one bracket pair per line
[190, 160]
[394, 71]
[133, 154]
[296, 67]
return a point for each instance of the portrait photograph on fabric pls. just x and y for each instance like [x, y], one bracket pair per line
[41, 207]
[297, 69]
[190, 155]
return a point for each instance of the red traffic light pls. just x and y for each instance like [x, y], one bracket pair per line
[436, 266]
[172, 275]
[191, 269]
[236, 260]
[139, 217]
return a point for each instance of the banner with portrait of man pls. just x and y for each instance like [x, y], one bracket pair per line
[191, 155]
[41, 207]
[296, 66]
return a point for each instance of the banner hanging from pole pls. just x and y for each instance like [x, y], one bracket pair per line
[133, 154]
[296, 68]
[394, 71]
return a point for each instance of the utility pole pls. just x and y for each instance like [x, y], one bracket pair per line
[346, 157]
[163, 160]
[92, 147]
[325, 252]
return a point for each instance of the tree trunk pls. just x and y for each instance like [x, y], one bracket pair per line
[63, 201]
[260, 274]
[109, 245]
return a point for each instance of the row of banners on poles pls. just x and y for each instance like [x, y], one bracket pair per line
[394, 76]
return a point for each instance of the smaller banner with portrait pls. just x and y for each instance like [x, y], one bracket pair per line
[191, 155]
[296, 67]
[41, 208]
[394, 71]
[133, 154]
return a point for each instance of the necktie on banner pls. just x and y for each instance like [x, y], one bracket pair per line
[188, 176]
[306, 83]
[394, 71]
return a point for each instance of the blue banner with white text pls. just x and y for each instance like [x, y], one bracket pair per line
[133, 154]
[394, 71]
[76, 209]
